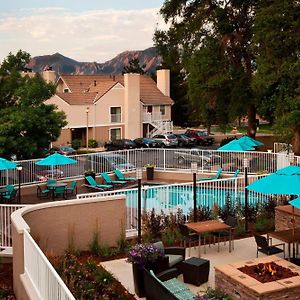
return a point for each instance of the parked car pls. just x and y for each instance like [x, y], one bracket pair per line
[146, 143]
[166, 140]
[201, 137]
[185, 141]
[64, 150]
[44, 173]
[107, 162]
[120, 144]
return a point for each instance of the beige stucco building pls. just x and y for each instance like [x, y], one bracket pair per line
[103, 108]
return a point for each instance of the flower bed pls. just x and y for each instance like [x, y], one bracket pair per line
[87, 279]
[6, 282]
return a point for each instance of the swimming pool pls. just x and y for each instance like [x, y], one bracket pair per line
[172, 197]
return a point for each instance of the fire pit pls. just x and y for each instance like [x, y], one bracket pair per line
[263, 278]
[267, 272]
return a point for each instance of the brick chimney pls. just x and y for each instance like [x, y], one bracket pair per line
[132, 106]
[163, 81]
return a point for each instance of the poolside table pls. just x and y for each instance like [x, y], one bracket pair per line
[209, 226]
[53, 186]
[288, 237]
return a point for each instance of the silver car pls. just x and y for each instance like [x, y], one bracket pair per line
[166, 140]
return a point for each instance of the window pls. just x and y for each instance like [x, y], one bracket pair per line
[115, 114]
[66, 90]
[162, 109]
[149, 109]
[115, 134]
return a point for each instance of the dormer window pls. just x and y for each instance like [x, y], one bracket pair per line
[66, 90]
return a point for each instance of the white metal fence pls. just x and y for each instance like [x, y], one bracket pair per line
[163, 159]
[5, 224]
[170, 198]
[47, 283]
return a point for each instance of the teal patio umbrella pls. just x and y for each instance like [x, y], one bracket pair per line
[6, 164]
[56, 159]
[236, 145]
[250, 141]
[285, 181]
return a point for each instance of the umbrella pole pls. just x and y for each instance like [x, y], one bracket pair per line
[293, 231]
[52, 172]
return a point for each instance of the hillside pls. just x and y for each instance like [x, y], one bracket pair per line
[65, 65]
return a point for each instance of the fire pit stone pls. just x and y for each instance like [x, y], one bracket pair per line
[242, 286]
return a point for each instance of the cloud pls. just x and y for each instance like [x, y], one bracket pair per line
[96, 35]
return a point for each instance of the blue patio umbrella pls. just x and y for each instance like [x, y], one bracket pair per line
[6, 164]
[56, 159]
[250, 141]
[236, 145]
[285, 181]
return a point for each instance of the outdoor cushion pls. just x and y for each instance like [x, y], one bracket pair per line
[159, 245]
[174, 259]
[152, 273]
[178, 289]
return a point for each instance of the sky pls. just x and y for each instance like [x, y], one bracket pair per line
[84, 30]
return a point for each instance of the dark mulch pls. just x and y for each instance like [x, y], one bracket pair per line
[6, 282]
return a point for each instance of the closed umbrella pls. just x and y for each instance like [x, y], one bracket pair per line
[236, 145]
[56, 159]
[250, 141]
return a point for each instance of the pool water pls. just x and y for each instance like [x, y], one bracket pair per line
[174, 197]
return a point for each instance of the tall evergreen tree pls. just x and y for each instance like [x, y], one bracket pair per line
[134, 67]
[277, 81]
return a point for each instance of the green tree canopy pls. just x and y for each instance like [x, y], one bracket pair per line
[27, 124]
[134, 67]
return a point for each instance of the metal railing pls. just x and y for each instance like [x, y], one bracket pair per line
[44, 278]
[5, 224]
[170, 198]
[164, 159]
[282, 147]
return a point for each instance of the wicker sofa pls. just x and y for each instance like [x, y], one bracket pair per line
[165, 286]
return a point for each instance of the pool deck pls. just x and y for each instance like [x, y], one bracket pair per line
[243, 249]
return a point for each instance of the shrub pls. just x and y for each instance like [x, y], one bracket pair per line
[240, 228]
[228, 209]
[76, 144]
[94, 245]
[153, 223]
[261, 224]
[213, 294]
[93, 143]
[170, 236]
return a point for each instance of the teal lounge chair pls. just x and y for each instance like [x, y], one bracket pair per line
[121, 176]
[217, 176]
[108, 180]
[10, 196]
[236, 173]
[93, 184]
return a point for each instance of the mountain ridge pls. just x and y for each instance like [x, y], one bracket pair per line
[65, 65]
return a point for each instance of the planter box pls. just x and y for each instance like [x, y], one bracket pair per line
[150, 173]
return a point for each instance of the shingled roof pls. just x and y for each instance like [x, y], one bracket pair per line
[87, 89]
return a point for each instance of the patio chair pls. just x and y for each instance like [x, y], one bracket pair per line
[51, 181]
[120, 176]
[42, 193]
[72, 190]
[188, 236]
[108, 180]
[10, 196]
[232, 222]
[60, 191]
[93, 184]
[175, 255]
[265, 246]
[217, 176]
[236, 173]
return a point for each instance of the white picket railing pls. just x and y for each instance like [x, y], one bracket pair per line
[5, 224]
[170, 198]
[164, 159]
[44, 278]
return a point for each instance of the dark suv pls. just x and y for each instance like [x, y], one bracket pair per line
[201, 137]
[120, 145]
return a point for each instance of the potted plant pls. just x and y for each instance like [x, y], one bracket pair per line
[143, 256]
[89, 173]
[150, 171]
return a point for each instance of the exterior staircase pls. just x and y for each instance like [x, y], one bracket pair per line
[160, 127]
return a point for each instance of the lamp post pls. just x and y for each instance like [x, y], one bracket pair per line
[87, 127]
[139, 175]
[194, 171]
[246, 165]
[19, 168]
